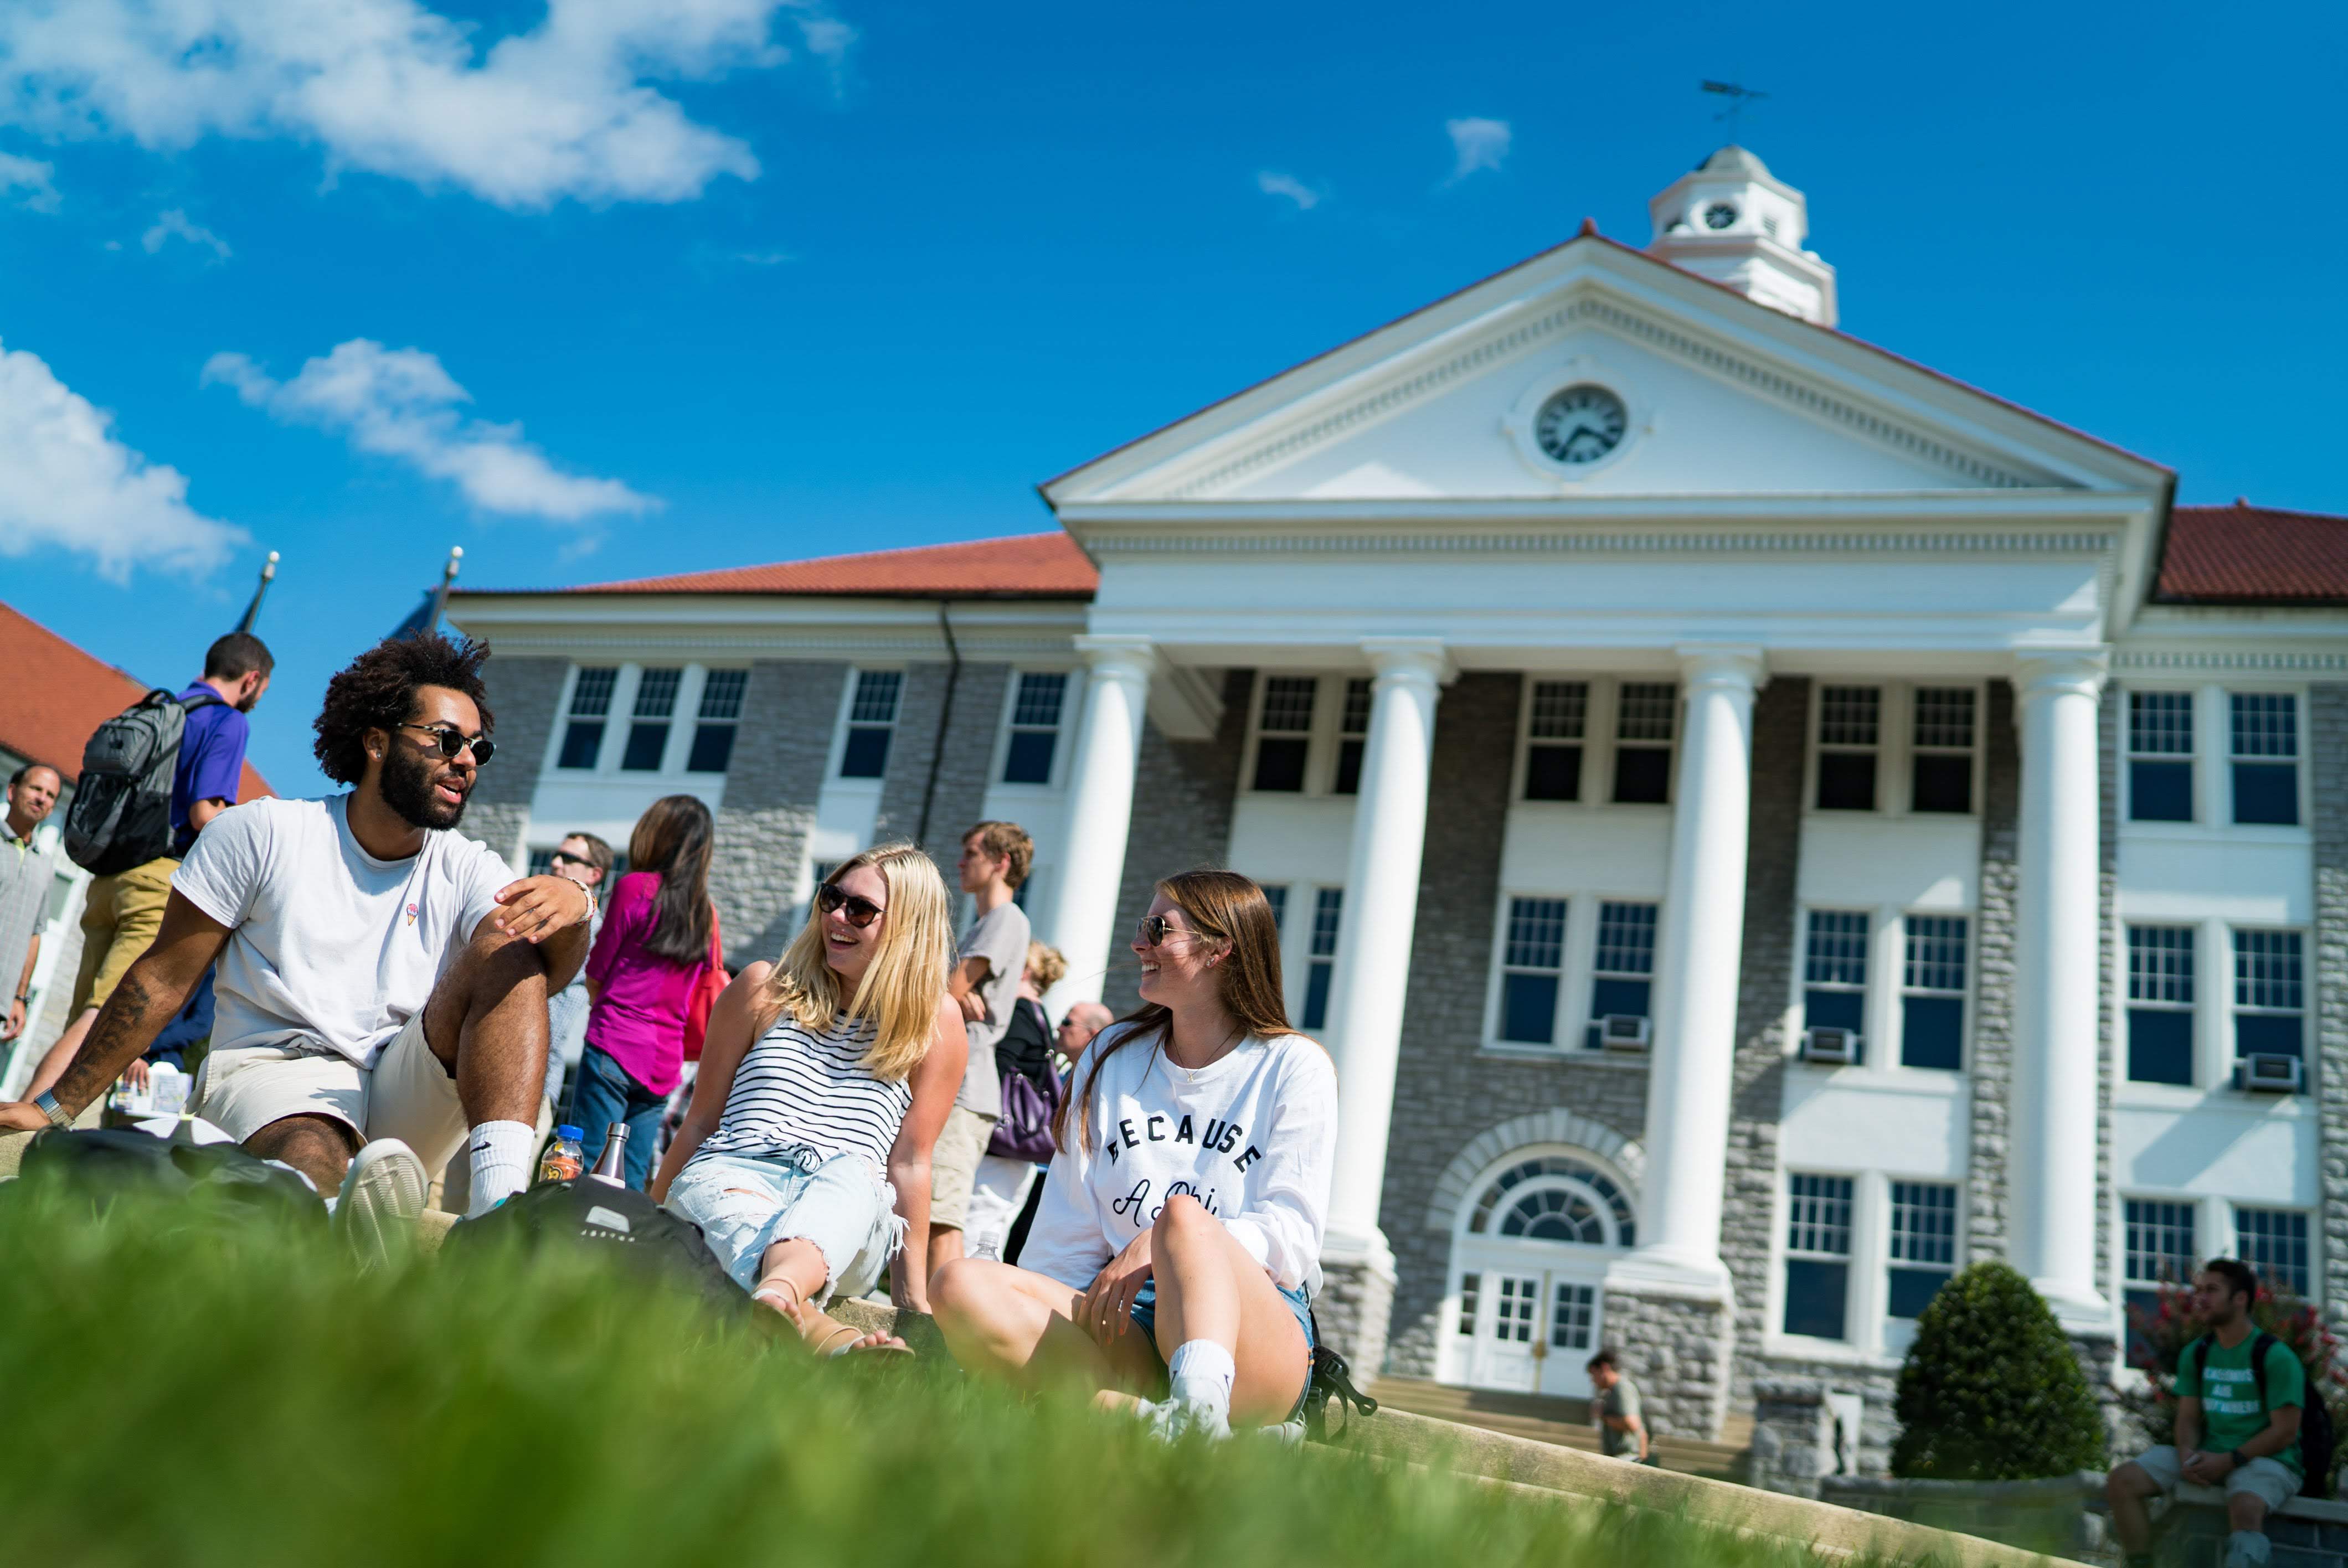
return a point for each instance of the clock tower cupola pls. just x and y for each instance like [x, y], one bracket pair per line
[1730, 220]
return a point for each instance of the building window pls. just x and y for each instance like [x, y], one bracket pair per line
[1645, 720]
[1471, 1285]
[2270, 993]
[1834, 972]
[872, 720]
[1285, 732]
[1514, 1308]
[1923, 1244]
[1321, 963]
[1352, 736]
[1555, 730]
[1850, 726]
[2275, 1243]
[1932, 992]
[1941, 769]
[2266, 757]
[1276, 895]
[720, 714]
[648, 732]
[1622, 970]
[1532, 966]
[1572, 1309]
[2160, 1004]
[1034, 727]
[2160, 756]
[591, 705]
[1817, 1255]
[2159, 1251]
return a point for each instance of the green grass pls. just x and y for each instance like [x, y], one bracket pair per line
[179, 1387]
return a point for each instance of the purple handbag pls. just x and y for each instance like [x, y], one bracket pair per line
[1028, 1109]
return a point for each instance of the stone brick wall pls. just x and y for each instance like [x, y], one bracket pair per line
[1183, 791]
[2327, 713]
[523, 693]
[1764, 986]
[772, 785]
[1994, 979]
[1678, 1352]
[1788, 1383]
[955, 795]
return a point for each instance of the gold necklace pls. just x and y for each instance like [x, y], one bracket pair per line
[1224, 1050]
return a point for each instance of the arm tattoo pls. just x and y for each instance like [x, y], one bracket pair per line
[129, 1022]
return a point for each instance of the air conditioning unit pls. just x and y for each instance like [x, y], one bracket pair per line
[1839, 1046]
[1622, 1031]
[2269, 1072]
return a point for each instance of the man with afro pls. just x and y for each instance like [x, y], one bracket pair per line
[382, 979]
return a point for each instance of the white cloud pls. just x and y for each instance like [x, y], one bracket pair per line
[66, 481]
[174, 225]
[764, 258]
[31, 175]
[400, 402]
[1273, 183]
[1477, 144]
[392, 87]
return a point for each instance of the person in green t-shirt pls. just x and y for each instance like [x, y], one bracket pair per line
[1622, 1428]
[2225, 1436]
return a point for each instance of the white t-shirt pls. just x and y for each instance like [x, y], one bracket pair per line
[329, 947]
[1252, 1138]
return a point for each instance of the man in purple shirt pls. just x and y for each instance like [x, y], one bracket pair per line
[123, 912]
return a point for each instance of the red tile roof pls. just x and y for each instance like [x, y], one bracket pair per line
[59, 695]
[2244, 554]
[1027, 565]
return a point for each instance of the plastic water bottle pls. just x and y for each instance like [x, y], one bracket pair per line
[565, 1158]
[612, 1166]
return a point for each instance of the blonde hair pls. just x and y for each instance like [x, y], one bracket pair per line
[1047, 964]
[903, 984]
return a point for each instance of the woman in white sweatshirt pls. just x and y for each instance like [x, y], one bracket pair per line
[1179, 1240]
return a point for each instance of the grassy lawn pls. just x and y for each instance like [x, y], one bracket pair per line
[182, 1387]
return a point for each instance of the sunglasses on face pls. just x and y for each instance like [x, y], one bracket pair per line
[453, 741]
[1155, 928]
[860, 912]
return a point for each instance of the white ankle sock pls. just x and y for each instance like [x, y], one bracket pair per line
[2247, 1547]
[500, 1161]
[1201, 1373]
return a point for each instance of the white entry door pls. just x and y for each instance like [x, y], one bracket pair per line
[1528, 1332]
[1509, 1347]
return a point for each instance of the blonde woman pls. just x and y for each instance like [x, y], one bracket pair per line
[825, 1077]
[1008, 1172]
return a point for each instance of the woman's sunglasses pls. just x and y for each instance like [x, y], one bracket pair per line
[1155, 928]
[861, 912]
[452, 741]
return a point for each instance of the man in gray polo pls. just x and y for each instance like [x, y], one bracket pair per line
[25, 875]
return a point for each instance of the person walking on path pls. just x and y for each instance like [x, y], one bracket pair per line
[825, 1077]
[2236, 1424]
[1179, 1239]
[1622, 1428]
[121, 913]
[586, 860]
[652, 951]
[995, 856]
[383, 980]
[26, 877]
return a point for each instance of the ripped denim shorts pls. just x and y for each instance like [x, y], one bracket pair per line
[837, 1202]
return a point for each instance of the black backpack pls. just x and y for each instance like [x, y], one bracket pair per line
[2316, 1444]
[121, 811]
[618, 1221]
[104, 1163]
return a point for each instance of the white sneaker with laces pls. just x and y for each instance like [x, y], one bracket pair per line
[1173, 1419]
[1288, 1434]
[382, 1198]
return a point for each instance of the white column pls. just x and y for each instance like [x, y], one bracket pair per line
[2056, 921]
[1100, 811]
[1701, 949]
[1373, 941]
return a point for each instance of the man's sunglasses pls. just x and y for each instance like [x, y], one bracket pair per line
[861, 912]
[452, 741]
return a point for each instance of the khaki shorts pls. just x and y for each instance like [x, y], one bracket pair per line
[953, 1166]
[2270, 1480]
[120, 917]
[408, 1094]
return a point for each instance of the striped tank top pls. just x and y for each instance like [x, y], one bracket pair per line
[801, 1089]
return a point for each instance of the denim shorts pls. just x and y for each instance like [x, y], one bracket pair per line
[1145, 1317]
[744, 1205]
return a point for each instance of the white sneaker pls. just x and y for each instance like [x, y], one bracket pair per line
[382, 1198]
[1288, 1434]
[1174, 1420]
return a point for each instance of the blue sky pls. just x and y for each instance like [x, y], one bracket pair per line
[756, 280]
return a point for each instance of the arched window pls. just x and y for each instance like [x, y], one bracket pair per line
[1557, 1198]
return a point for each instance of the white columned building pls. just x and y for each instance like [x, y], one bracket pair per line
[1100, 809]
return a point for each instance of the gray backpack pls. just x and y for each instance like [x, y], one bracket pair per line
[121, 811]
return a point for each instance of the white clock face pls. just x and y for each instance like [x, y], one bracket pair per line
[1580, 425]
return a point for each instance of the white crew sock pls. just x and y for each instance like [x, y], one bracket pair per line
[500, 1162]
[1201, 1374]
[2246, 1548]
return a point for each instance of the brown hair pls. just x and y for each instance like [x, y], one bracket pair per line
[1046, 963]
[1007, 842]
[1225, 907]
[672, 840]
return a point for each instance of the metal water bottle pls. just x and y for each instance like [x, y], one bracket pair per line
[613, 1165]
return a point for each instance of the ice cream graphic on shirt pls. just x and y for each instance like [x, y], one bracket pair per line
[411, 913]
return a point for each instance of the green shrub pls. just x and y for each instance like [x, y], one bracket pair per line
[1991, 1391]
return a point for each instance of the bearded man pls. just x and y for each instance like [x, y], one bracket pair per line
[382, 980]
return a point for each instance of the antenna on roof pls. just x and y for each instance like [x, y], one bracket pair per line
[268, 575]
[1738, 96]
